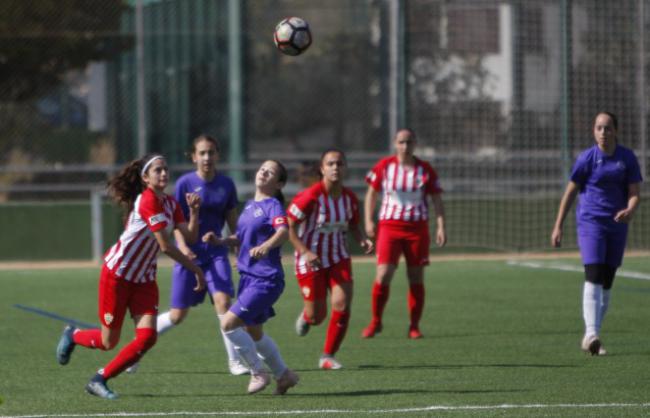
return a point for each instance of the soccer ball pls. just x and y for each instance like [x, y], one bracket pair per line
[292, 36]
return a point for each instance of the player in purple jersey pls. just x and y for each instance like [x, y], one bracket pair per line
[261, 231]
[608, 179]
[219, 206]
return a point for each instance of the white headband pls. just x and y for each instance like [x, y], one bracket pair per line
[146, 166]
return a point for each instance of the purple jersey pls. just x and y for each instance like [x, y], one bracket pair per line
[218, 197]
[603, 181]
[257, 223]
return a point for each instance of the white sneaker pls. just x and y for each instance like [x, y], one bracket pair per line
[591, 344]
[258, 382]
[329, 363]
[288, 380]
[237, 368]
[133, 368]
[302, 326]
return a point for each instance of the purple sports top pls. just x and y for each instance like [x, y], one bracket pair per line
[218, 197]
[603, 182]
[257, 223]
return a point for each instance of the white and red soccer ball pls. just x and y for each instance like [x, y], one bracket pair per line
[292, 36]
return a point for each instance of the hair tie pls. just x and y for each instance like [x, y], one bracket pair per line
[146, 166]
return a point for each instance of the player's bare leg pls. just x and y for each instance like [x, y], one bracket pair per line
[314, 312]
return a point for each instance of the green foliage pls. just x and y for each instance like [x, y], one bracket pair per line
[495, 335]
[41, 40]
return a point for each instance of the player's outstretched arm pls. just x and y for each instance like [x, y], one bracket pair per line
[313, 260]
[190, 230]
[167, 247]
[211, 238]
[276, 240]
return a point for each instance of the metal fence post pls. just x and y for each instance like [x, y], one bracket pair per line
[96, 223]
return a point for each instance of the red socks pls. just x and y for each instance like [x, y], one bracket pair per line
[380, 295]
[91, 338]
[336, 331]
[145, 338]
[415, 303]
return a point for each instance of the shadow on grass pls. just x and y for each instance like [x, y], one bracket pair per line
[379, 392]
[501, 334]
[188, 372]
[463, 366]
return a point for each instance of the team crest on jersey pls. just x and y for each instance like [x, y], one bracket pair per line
[108, 318]
[306, 291]
[293, 209]
[198, 189]
[258, 212]
[156, 219]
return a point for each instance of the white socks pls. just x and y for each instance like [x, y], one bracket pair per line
[230, 349]
[592, 302]
[603, 307]
[268, 351]
[163, 323]
[245, 347]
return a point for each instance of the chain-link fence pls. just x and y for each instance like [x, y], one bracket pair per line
[501, 94]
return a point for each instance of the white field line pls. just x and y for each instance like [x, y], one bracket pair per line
[349, 411]
[573, 268]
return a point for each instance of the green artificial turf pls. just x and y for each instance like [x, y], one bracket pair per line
[495, 335]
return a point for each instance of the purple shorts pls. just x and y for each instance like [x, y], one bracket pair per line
[602, 244]
[255, 298]
[218, 277]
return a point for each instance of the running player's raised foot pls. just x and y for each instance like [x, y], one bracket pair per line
[302, 326]
[66, 345]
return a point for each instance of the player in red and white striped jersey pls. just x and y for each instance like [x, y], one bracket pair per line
[405, 183]
[128, 277]
[319, 219]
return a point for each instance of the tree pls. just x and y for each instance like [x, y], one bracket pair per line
[40, 40]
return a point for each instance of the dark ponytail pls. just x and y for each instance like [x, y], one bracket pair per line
[126, 185]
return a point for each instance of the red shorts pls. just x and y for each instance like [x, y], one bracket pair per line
[116, 295]
[410, 238]
[314, 284]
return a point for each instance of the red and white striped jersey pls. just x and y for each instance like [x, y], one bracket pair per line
[323, 224]
[134, 256]
[404, 189]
